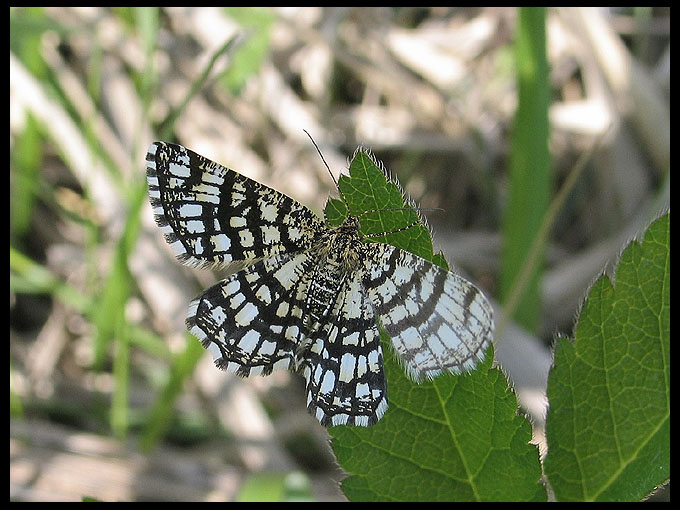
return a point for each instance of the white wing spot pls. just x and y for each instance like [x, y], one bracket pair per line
[249, 341]
[247, 239]
[237, 222]
[246, 315]
[269, 212]
[191, 210]
[195, 226]
[221, 242]
[270, 235]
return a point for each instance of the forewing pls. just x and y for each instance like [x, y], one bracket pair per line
[343, 365]
[437, 320]
[252, 321]
[211, 215]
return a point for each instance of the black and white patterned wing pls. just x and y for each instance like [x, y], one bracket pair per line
[437, 320]
[343, 365]
[252, 322]
[211, 215]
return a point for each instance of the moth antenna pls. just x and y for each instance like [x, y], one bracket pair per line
[329, 170]
[322, 158]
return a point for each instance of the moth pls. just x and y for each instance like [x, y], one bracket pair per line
[308, 296]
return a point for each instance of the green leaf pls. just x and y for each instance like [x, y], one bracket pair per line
[608, 426]
[453, 438]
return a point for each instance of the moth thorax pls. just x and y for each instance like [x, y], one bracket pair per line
[345, 251]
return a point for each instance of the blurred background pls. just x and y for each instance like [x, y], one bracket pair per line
[543, 134]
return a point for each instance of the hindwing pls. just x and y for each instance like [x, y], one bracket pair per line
[437, 320]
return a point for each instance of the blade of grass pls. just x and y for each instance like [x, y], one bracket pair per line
[147, 22]
[166, 126]
[159, 417]
[530, 169]
[120, 415]
[27, 27]
[541, 237]
[249, 57]
[26, 159]
[29, 277]
[109, 315]
[16, 408]
[115, 291]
